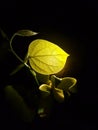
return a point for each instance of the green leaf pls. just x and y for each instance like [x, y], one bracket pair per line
[45, 90]
[46, 57]
[26, 33]
[17, 104]
[67, 83]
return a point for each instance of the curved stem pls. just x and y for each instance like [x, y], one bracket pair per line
[16, 53]
[34, 74]
[13, 49]
[23, 61]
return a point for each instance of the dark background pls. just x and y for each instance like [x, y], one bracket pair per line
[73, 26]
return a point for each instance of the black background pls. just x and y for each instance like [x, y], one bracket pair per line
[73, 26]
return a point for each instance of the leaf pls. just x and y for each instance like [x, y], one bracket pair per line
[26, 33]
[45, 90]
[58, 94]
[46, 57]
[17, 104]
[67, 83]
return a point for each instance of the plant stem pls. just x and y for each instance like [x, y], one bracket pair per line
[23, 61]
[34, 74]
[16, 53]
[13, 49]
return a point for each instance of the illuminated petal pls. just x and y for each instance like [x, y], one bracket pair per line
[46, 57]
[67, 83]
[45, 90]
[58, 94]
